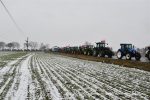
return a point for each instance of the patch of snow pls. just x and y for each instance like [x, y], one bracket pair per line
[21, 93]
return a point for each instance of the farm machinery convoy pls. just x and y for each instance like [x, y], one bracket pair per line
[101, 50]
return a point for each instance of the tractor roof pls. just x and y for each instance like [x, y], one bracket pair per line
[100, 43]
[87, 46]
[148, 47]
[125, 44]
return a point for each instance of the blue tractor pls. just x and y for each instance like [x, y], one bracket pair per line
[128, 51]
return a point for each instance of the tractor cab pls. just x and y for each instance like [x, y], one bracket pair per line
[90, 46]
[126, 46]
[100, 44]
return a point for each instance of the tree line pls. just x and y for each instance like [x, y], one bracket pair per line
[15, 46]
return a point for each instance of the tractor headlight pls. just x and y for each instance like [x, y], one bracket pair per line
[147, 51]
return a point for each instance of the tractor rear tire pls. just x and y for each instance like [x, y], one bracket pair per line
[89, 53]
[94, 53]
[128, 56]
[137, 56]
[148, 55]
[101, 54]
[119, 55]
[109, 56]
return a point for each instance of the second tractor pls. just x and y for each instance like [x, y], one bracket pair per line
[101, 50]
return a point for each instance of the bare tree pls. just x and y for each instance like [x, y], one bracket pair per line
[10, 45]
[2, 45]
[25, 45]
[16, 45]
[33, 45]
[13, 45]
[47, 46]
[44, 47]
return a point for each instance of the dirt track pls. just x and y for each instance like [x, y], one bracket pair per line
[126, 63]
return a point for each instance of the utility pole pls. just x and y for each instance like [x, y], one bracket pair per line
[27, 43]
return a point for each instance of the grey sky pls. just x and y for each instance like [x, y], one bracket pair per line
[72, 22]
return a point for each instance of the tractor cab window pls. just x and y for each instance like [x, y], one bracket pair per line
[129, 46]
[122, 46]
[90, 46]
[126, 46]
[100, 45]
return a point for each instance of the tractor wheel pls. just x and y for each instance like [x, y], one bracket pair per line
[128, 56]
[101, 54]
[137, 56]
[94, 53]
[89, 53]
[109, 56]
[84, 52]
[119, 55]
[148, 55]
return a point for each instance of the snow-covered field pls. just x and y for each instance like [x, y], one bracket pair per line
[40, 76]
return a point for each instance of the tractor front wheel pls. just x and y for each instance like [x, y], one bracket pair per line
[137, 56]
[119, 55]
[109, 56]
[128, 56]
[84, 52]
[94, 53]
[101, 54]
[89, 53]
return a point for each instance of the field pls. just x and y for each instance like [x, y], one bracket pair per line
[40, 76]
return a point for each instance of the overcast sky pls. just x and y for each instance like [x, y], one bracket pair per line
[72, 22]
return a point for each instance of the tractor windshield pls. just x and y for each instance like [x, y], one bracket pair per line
[100, 45]
[129, 46]
[126, 46]
[90, 46]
